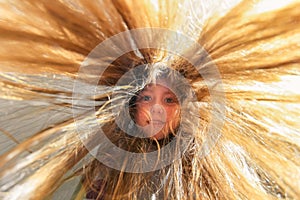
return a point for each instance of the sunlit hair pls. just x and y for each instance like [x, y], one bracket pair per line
[255, 46]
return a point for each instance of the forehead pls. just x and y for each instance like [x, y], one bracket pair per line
[157, 88]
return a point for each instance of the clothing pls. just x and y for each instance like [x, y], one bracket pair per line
[97, 192]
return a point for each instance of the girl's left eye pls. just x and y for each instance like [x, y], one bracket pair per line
[170, 100]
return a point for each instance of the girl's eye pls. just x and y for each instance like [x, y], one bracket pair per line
[170, 100]
[146, 98]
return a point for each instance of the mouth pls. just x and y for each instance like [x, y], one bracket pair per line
[154, 127]
[156, 122]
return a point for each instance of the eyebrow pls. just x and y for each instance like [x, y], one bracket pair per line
[165, 93]
[150, 90]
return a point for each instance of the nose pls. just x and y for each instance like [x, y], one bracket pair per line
[157, 108]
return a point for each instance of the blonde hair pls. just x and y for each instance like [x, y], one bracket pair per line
[255, 46]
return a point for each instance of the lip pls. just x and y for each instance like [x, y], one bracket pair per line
[156, 122]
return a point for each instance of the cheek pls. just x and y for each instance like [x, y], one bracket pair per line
[141, 116]
[173, 116]
[173, 113]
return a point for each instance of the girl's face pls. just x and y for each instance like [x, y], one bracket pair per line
[157, 111]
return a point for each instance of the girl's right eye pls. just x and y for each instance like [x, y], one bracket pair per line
[146, 98]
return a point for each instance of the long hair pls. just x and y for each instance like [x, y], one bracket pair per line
[62, 94]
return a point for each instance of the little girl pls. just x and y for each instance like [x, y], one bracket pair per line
[154, 125]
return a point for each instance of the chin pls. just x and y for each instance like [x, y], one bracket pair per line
[161, 135]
